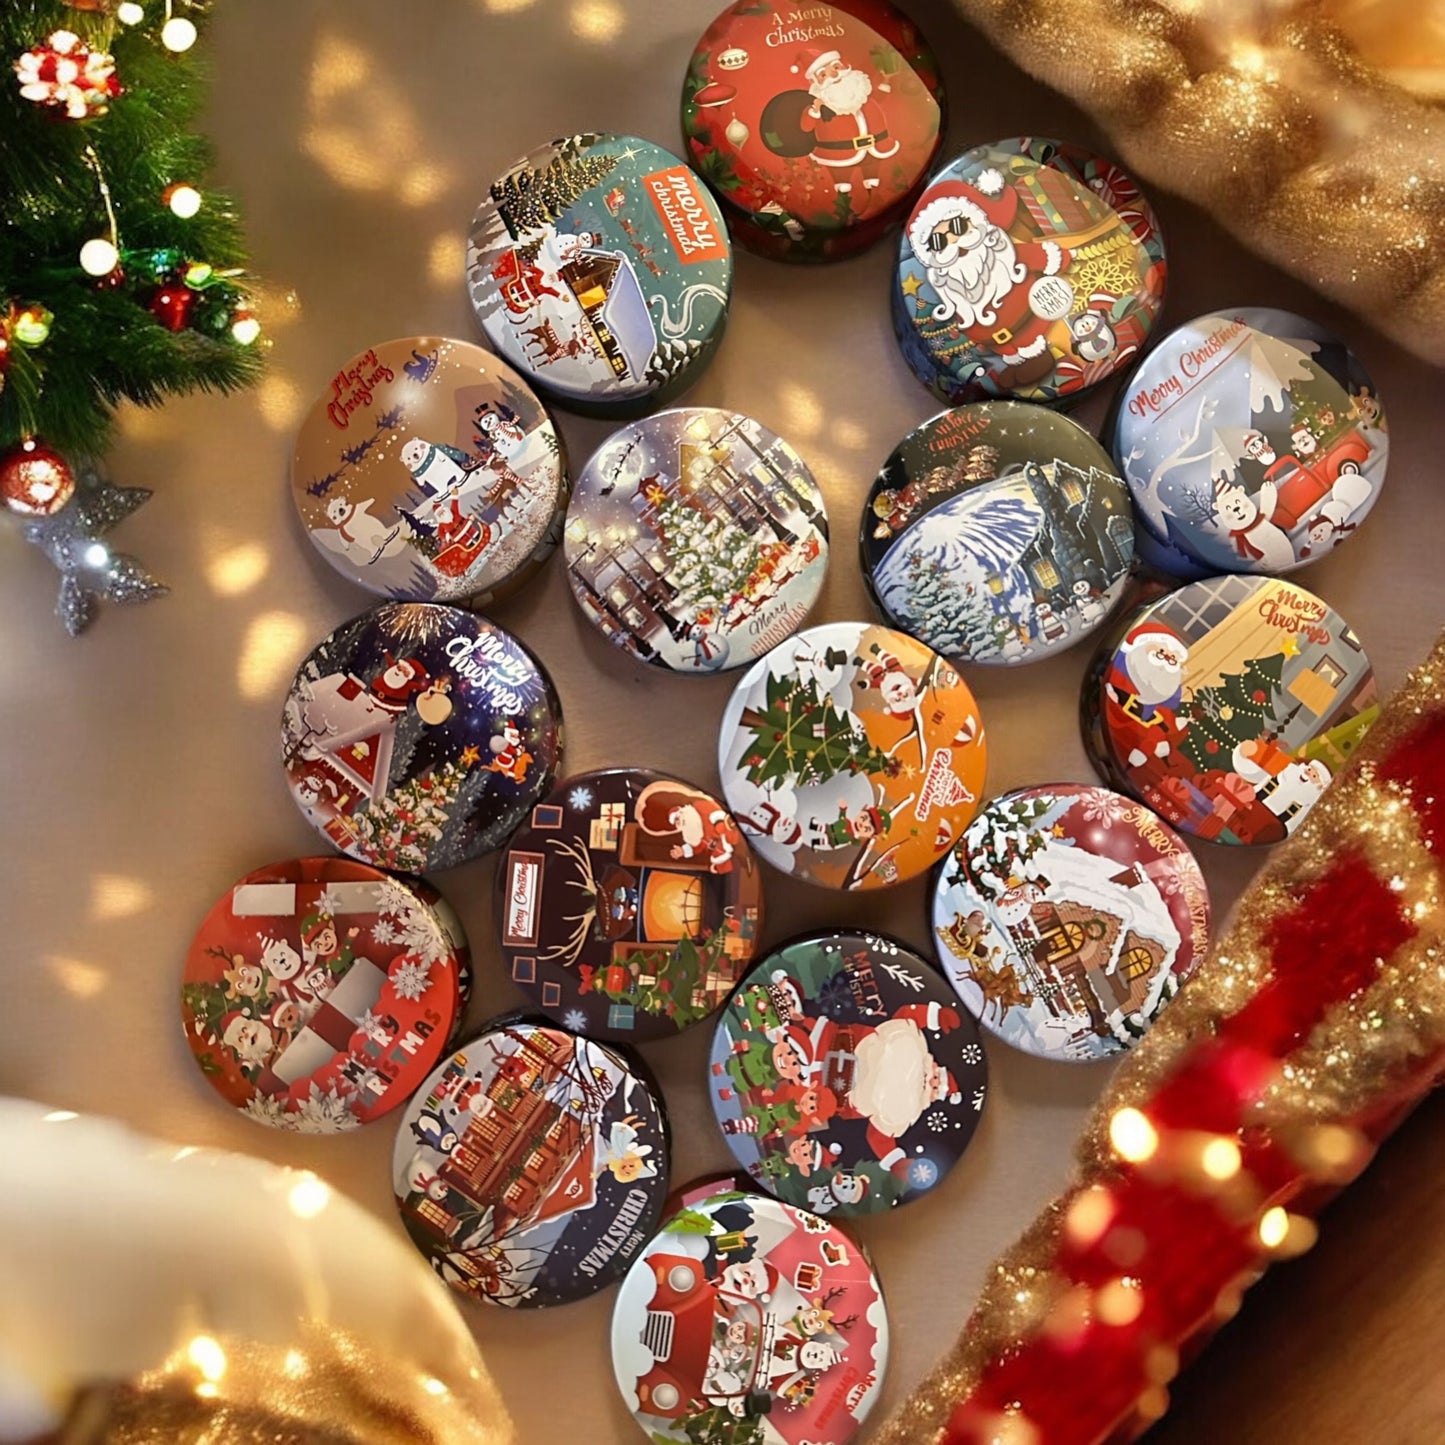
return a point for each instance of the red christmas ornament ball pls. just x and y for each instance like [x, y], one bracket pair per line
[35, 481]
[171, 306]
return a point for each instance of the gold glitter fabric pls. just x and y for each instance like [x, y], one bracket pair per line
[1351, 1079]
[1313, 129]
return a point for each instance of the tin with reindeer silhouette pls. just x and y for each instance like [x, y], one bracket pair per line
[747, 1319]
[599, 266]
[318, 992]
[429, 471]
[628, 904]
[531, 1166]
[1067, 917]
[416, 737]
[844, 1076]
[696, 539]
[1252, 441]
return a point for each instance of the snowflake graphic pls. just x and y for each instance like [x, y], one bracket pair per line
[325, 1112]
[265, 1109]
[936, 1120]
[580, 799]
[372, 1027]
[1106, 809]
[329, 900]
[575, 1020]
[978, 1094]
[971, 1054]
[411, 977]
[417, 932]
[923, 1173]
[384, 931]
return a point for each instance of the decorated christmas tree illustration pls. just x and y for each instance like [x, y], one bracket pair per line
[635, 979]
[404, 829]
[935, 606]
[706, 556]
[799, 736]
[1017, 830]
[531, 200]
[1239, 708]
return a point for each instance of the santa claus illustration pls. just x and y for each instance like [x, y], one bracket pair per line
[848, 127]
[704, 830]
[1144, 690]
[1287, 793]
[989, 285]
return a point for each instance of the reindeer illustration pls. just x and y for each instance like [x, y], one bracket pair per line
[545, 346]
[609, 905]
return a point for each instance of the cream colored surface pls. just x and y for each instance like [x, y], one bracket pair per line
[141, 774]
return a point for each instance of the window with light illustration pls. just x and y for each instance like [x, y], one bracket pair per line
[1045, 573]
[1073, 489]
[1136, 962]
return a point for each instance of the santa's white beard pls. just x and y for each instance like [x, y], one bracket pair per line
[971, 281]
[689, 825]
[844, 95]
[1155, 680]
[890, 1083]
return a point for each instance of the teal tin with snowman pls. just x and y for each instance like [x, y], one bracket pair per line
[600, 267]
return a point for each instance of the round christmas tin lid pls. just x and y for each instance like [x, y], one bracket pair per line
[997, 533]
[417, 736]
[1228, 705]
[1023, 276]
[747, 1316]
[1067, 917]
[1252, 440]
[852, 755]
[429, 471]
[844, 1076]
[628, 904]
[531, 1167]
[815, 128]
[600, 267]
[696, 539]
[318, 993]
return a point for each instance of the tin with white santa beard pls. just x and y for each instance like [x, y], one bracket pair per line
[1067, 917]
[1027, 269]
[844, 1075]
[1228, 705]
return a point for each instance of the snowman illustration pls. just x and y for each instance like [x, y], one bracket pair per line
[502, 435]
[363, 537]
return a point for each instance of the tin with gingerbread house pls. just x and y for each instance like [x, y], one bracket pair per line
[852, 756]
[844, 1075]
[696, 540]
[1026, 270]
[599, 266]
[1228, 705]
[747, 1319]
[429, 471]
[1067, 917]
[1252, 441]
[628, 904]
[815, 127]
[417, 736]
[531, 1167]
[318, 992]
[997, 533]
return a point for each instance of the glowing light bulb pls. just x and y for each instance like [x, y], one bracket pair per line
[245, 328]
[32, 325]
[129, 13]
[1220, 1159]
[98, 257]
[1132, 1136]
[96, 555]
[1273, 1227]
[178, 34]
[183, 200]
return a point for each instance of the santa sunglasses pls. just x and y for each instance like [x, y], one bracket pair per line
[938, 238]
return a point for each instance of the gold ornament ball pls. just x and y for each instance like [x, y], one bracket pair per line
[34, 480]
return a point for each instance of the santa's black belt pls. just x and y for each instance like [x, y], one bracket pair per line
[858, 143]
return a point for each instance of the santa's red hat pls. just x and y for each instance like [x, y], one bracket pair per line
[881, 666]
[988, 201]
[417, 678]
[949, 1090]
[1147, 632]
[810, 58]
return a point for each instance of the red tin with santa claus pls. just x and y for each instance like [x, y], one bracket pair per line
[1228, 705]
[628, 904]
[1027, 269]
[319, 992]
[815, 125]
[852, 756]
[844, 1075]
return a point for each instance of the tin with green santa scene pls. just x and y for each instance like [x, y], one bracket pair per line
[600, 267]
